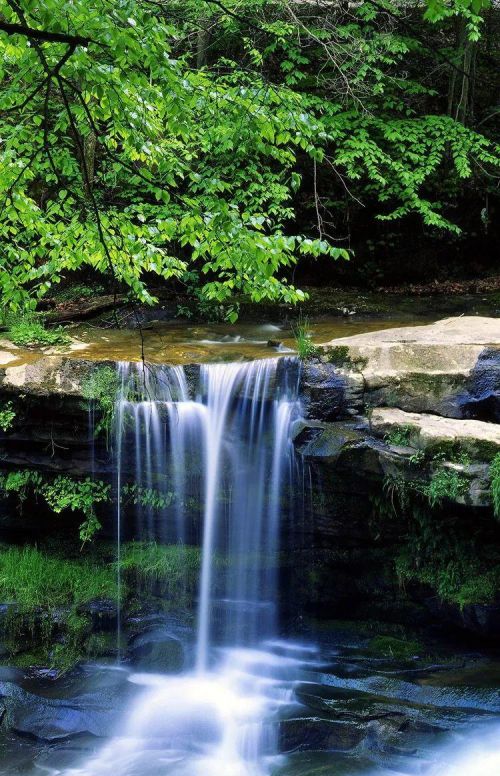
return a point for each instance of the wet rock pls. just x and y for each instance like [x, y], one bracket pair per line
[482, 619]
[157, 651]
[482, 399]
[102, 613]
[54, 719]
[432, 433]
[328, 393]
[315, 733]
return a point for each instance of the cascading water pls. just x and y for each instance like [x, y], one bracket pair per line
[230, 449]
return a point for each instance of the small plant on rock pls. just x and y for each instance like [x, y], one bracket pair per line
[399, 436]
[101, 388]
[446, 484]
[7, 416]
[302, 333]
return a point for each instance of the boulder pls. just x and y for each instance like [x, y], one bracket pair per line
[156, 650]
[433, 433]
[450, 368]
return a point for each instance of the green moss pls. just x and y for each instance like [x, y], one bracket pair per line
[392, 647]
[339, 356]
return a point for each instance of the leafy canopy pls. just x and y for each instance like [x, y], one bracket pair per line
[128, 149]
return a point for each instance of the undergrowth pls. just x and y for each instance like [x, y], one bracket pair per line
[47, 593]
[28, 330]
[446, 484]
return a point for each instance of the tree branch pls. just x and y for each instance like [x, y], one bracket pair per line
[44, 35]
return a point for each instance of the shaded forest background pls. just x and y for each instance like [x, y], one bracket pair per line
[238, 147]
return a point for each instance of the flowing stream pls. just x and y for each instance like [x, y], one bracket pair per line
[226, 442]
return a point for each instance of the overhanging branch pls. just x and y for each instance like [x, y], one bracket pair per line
[44, 35]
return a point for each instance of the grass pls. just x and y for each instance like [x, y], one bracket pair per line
[302, 334]
[28, 330]
[495, 484]
[45, 625]
[174, 569]
[35, 580]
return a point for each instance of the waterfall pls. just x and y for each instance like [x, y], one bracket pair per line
[224, 443]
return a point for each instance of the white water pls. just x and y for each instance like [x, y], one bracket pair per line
[229, 447]
[232, 447]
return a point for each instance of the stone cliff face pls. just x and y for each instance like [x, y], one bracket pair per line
[399, 433]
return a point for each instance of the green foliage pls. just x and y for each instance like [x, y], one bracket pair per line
[302, 334]
[100, 387]
[78, 496]
[446, 484]
[7, 416]
[28, 330]
[400, 435]
[67, 493]
[495, 484]
[77, 291]
[460, 578]
[60, 494]
[148, 497]
[21, 483]
[138, 155]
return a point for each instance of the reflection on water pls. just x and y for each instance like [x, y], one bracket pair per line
[180, 343]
